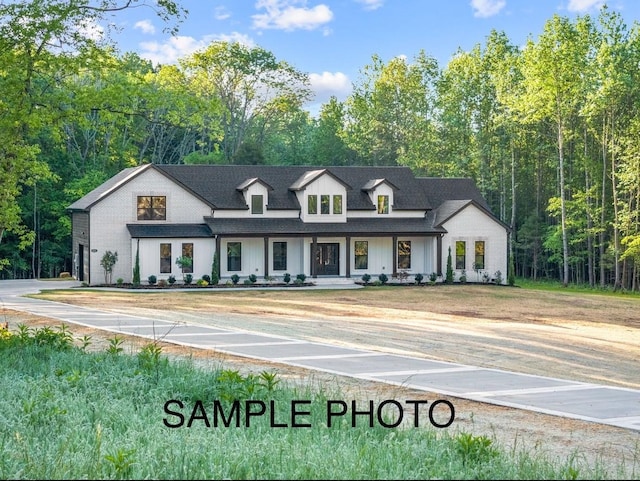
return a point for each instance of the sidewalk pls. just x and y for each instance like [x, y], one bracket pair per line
[589, 402]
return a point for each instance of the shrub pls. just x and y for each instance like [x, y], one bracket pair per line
[247, 282]
[253, 278]
[301, 277]
[188, 279]
[136, 266]
[152, 279]
[162, 283]
[65, 275]
[287, 278]
[418, 278]
[433, 277]
[403, 276]
[497, 276]
[202, 283]
[206, 278]
[366, 278]
[215, 269]
[120, 281]
[172, 279]
[235, 279]
[383, 278]
[463, 277]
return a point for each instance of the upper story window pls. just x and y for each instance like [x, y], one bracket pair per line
[337, 204]
[312, 204]
[257, 204]
[152, 207]
[383, 204]
[324, 204]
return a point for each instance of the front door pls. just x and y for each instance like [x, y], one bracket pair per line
[327, 259]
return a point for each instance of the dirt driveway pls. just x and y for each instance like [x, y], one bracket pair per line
[582, 337]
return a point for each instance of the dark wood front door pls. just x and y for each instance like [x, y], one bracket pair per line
[327, 259]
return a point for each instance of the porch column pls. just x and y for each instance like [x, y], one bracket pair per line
[439, 255]
[394, 249]
[348, 256]
[314, 246]
[266, 256]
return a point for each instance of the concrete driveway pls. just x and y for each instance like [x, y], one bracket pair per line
[578, 400]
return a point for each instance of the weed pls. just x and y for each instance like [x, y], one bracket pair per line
[115, 345]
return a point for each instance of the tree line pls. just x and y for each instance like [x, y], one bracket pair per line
[549, 130]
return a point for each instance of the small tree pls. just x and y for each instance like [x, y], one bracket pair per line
[184, 262]
[136, 267]
[107, 262]
[449, 276]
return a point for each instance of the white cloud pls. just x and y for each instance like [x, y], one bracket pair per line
[91, 30]
[487, 8]
[583, 5]
[329, 84]
[146, 26]
[177, 47]
[371, 4]
[285, 15]
[221, 13]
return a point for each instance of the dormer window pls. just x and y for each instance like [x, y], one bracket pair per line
[312, 204]
[383, 204]
[257, 204]
[337, 204]
[324, 204]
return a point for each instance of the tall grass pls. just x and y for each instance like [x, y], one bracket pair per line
[70, 414]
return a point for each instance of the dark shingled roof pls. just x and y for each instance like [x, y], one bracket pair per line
[217, 184]
[369, 226]
[168, 230]
[99, 192]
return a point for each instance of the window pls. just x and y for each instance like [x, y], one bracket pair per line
[404, 254]
[361, 252]
[234, 256]
[479, 255]
[312, 204]
[279, 256]
[165, 258]
[324, 204]
[256, 204]
[187, 251]
[461, 251]
[337, 204]
[383, 204]
[152, 207]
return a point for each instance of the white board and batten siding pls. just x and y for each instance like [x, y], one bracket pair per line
[472, 224]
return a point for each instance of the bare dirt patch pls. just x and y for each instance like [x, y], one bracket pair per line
[589, 338]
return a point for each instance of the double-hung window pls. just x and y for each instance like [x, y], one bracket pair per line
[234, 256]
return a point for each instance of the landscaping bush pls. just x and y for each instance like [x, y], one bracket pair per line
[301, 277]
[418, 278]
[366, 278]
[383, 278]
[253, 278]
[188, 279]
[287, 278]
[172, 279]
[152, 279]
[235, 279]
[206, 278]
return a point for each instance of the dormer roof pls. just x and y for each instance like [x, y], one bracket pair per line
[249, 182]
[311, 175]
[374, 183]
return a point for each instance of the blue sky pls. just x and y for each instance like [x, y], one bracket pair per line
[332, 40]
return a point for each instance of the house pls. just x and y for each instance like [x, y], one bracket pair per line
[272, 220]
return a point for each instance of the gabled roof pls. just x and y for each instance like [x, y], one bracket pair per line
[249, 182]
[103, 190]
[311, 175]
[217, 184]
[373, 183]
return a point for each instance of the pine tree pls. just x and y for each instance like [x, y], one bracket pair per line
[215, 270]
[136, 268]
[449, 277]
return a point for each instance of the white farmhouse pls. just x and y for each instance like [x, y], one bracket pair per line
[272, 220]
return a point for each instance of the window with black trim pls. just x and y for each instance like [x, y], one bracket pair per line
[404, 254]
[234, 256]
[165, 258]
[337, 204]
[312, 204]
[361, 254]
[187, 251]
[324, 204]
[279, 256]
[383, 204]
[152, 207]
[257, 204]
[461, 254]
[479, 255]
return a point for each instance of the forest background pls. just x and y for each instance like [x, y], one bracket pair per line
[549, 131]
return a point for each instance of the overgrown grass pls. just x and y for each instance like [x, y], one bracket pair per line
[70, 414]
